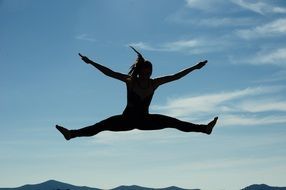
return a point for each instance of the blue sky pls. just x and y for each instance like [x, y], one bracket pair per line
[43, 82]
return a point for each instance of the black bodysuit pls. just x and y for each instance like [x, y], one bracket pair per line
[136, 115]
[138, 99]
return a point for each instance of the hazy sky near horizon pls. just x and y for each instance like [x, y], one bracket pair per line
[43, 82]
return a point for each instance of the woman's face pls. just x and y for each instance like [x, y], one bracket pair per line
[145, 72]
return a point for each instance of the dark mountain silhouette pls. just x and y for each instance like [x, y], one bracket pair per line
[56, 185]
[50, 185]
[135, 187]
[263, 187]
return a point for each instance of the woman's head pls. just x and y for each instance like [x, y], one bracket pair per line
[141, 67]
[145, 69]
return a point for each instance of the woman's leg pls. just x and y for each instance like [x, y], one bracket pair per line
[157, 121]
[114, 123]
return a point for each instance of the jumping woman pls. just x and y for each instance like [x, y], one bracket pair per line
[140, 90]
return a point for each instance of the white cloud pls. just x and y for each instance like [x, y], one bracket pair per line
[279, 10]
[185, 16]
[231, 163]
[205, 103]
[234, 107]
[206, 5]
[180, 45]
[275, 28]
[279, 76]
[277, 57]
[248, 120]
[268, 56]
[263, 106]
[259, 7]
[225, 21]
[144, 46]
[136, 136]
[85, 37]
[193, 46]
[195, 3]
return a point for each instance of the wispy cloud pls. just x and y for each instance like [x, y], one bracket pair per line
[277, 57]
[263, 106]
[206, 5]
[233, 106]
[210, 102]
[275, 77]
[234, 163]
[225, 21]
[190, 45]
[193, 46]
[180, 45]
[145, 46]
[259, 7]
[85, 37]
[249, 120]
[270, 56]
[274, 28]
[185, 16]
[136, 136]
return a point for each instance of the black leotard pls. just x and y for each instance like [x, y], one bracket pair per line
[136, 115]
[138, 99]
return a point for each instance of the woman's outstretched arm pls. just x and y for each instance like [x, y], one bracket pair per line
[104, 69]
[165, 79]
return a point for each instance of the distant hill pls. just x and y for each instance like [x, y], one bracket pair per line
[263, 187]
[50, 185]
[56, 185]
[135, 187]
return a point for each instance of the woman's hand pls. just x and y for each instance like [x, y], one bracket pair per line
[85, 59]
[200, 64]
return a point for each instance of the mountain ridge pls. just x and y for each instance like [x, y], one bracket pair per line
[57, 185]
[263, 187]
[50, 185]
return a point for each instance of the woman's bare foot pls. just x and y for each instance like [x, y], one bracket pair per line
[65, 132]
[211, 125]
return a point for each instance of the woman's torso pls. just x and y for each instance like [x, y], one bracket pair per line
[138, 97]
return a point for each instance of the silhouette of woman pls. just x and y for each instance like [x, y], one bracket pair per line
[140, 90]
